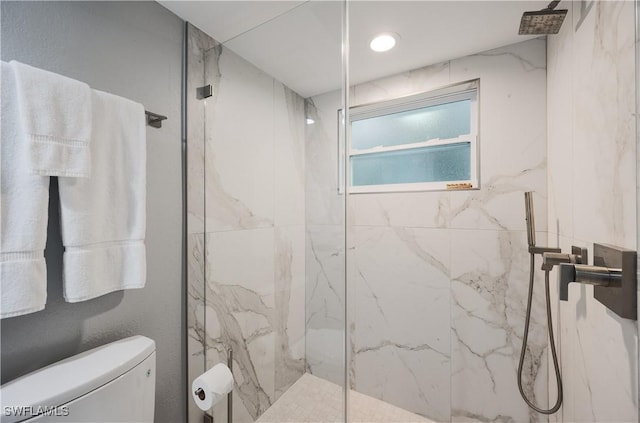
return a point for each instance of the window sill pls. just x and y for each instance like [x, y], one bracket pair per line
[414, 187]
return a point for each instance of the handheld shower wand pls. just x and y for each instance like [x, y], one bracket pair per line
[533, 250]
[531, 225]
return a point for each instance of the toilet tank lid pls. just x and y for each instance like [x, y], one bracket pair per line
[75, 376]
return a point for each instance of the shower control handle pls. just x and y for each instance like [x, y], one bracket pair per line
[590, 275]
[541, 250]
[578, 256]
[614, 276]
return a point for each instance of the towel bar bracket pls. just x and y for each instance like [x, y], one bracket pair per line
[154, 119]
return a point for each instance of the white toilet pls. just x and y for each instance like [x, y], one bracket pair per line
[111, 383]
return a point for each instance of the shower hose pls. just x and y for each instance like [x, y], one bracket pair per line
[525, 337]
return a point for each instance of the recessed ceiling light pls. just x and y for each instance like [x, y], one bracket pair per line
[310, 121]
[383, 42]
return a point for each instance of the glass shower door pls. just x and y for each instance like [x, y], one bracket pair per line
[266, 222]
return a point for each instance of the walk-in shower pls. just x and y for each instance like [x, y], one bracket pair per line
[382, 302]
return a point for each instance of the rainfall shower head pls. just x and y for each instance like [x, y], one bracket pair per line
[545, 21]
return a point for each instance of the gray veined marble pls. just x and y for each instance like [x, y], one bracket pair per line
[254, 284]
[593, 198]
[246, 215]
[325, 283]
[489, 287]
[198, 43]
[196, 337]
[401, 313]
[438, 279]
[290, 307]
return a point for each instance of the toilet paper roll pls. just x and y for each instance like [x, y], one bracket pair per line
[211, 387]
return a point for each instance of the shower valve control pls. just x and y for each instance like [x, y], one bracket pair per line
[613, 276]
[578, 256]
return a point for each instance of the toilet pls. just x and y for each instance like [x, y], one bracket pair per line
[111, 383]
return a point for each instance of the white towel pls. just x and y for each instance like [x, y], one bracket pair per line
[103, 216]
[23, 203]
[55, 112]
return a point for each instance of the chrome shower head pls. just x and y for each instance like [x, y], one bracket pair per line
[545, 21]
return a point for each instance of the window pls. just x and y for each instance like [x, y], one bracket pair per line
[423, 142]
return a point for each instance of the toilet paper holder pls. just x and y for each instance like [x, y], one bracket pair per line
[208, 418]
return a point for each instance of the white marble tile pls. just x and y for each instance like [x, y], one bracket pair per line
[512, 145]
[401, 85]
[239, 145]
[604, 127]
[241, 312]
[592, 164]
[289, 258]
[325, 270]
[325, 353]
[409, 209]
[198, 43]
[560, 130]
[289, 156]
[196, 338]
[598, 358]
[513, 160]
[247, 171]
[415, 380]
[324, 205]
[609, 347]
[241, 408]
[325, 283]
[325, 239]
[243, 259]
[401, 317]
[489, 271]
[401, 279]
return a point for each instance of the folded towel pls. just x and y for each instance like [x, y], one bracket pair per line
[103, 216]
[23, 219]
[55, 112]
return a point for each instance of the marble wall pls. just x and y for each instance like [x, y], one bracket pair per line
[438, 280]
[246, 217]
[325, 242]
[592, 198]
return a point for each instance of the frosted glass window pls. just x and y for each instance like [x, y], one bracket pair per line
[422, 142]
[426, 164]
[448, 120]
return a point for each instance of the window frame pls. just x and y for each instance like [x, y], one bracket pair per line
[467, 90]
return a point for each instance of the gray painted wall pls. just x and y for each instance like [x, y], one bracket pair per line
[132, 49]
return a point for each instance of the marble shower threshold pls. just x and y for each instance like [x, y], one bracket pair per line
[315, 400]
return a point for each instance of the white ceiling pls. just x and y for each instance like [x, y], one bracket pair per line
[299, 43]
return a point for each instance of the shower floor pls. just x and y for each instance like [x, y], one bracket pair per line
[315, 400]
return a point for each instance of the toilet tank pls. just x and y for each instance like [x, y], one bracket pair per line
[111, 383]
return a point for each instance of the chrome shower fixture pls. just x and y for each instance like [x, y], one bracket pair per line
[552, 254]
[531, 228]
[545, 21]
[578, 256]
[613, 275]
[531, 224]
